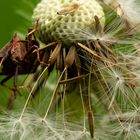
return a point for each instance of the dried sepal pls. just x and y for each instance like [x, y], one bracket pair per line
[70, 56]
[54, 54]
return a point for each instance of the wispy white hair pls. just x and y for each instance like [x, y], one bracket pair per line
[130, 9]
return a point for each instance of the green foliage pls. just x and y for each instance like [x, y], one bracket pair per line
[15, 17]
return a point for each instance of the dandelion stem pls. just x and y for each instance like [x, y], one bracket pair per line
[30, 94]
[84, 112]
[64, 93]
[54, 93]
[90, 112]
[89, 90]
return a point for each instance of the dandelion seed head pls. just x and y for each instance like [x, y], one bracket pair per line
[59, 27]
[112, 76]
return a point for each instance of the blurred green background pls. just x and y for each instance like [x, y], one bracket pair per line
[15, 16]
